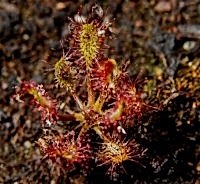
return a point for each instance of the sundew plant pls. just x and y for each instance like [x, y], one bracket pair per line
[104, 98]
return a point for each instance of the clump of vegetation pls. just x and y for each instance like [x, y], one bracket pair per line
[105, 97]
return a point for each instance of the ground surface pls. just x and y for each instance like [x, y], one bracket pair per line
[162, 41]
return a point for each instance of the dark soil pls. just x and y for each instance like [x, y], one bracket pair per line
[162, 41]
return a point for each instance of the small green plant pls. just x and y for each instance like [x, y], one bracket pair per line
[107, 101]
